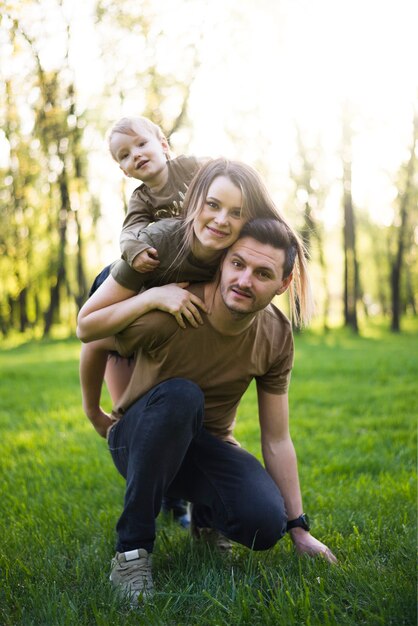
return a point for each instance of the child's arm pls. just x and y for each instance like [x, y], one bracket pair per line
[139, 215]
[112, 308]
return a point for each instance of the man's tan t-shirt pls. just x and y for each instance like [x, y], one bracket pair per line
[223, 366]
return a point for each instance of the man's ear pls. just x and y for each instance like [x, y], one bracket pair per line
[285, 284]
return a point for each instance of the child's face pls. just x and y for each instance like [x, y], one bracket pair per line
[219, 222]
[141, 156]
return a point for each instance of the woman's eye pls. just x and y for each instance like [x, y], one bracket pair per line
[212, 205]
[236, 214]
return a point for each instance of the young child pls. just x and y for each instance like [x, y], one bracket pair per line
[142, 152]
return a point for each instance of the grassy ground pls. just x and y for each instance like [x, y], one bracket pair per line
[353, 407]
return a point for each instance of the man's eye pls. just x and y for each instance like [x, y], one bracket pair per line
[236, 264]
[264, 275]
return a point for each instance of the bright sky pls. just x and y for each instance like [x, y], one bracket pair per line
[267, 65]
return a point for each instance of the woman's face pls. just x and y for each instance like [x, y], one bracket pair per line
[219, 222]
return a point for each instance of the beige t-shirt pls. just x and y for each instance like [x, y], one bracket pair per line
[223, 366]
[146, 206]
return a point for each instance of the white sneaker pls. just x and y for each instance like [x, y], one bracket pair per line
[131, 573]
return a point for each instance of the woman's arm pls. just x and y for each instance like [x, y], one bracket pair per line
[99, 317]
[112, 308]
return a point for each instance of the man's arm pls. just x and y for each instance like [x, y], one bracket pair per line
[281, 463]
[93, 359]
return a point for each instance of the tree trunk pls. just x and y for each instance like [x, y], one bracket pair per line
[54, 303]
[410, 296]
[82, 289]
[351, 281]
[397, 264]
[323, 266]
[23, 312]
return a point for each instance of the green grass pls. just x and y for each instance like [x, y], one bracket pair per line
[353, 417]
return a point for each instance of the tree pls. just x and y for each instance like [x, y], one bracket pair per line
[47, 198]
[311, 195]
[351, 270]
[407, 198]
[49, 213]
[165, 59]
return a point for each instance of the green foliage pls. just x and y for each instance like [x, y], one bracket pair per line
[151, 61]
[49, 213]
[353, 418]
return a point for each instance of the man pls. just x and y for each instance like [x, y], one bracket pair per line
[173, 433]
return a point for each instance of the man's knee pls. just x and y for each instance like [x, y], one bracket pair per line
[265, 525]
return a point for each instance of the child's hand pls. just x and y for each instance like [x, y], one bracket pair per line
[176, 300]
[146, 261]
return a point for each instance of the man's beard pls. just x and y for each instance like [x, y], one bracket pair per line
[237, 312]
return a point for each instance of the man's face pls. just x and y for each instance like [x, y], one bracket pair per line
[251, 275]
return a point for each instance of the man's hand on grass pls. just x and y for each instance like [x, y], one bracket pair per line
[306, 544]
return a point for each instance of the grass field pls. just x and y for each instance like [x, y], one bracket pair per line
[353, 416]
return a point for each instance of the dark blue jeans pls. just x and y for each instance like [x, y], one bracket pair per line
[160, 447]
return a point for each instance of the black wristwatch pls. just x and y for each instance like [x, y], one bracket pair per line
[300, 522]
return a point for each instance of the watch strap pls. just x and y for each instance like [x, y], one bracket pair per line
[300, 522]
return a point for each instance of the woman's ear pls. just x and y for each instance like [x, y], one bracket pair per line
[285, 284]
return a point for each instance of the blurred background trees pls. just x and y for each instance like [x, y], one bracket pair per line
[203, 72]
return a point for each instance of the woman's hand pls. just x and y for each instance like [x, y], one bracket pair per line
[179, 302]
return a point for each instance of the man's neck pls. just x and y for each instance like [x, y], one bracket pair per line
[221, 318]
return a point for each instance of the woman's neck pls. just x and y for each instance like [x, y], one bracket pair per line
[207, 255]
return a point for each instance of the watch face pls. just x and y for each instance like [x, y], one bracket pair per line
[305, 520]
